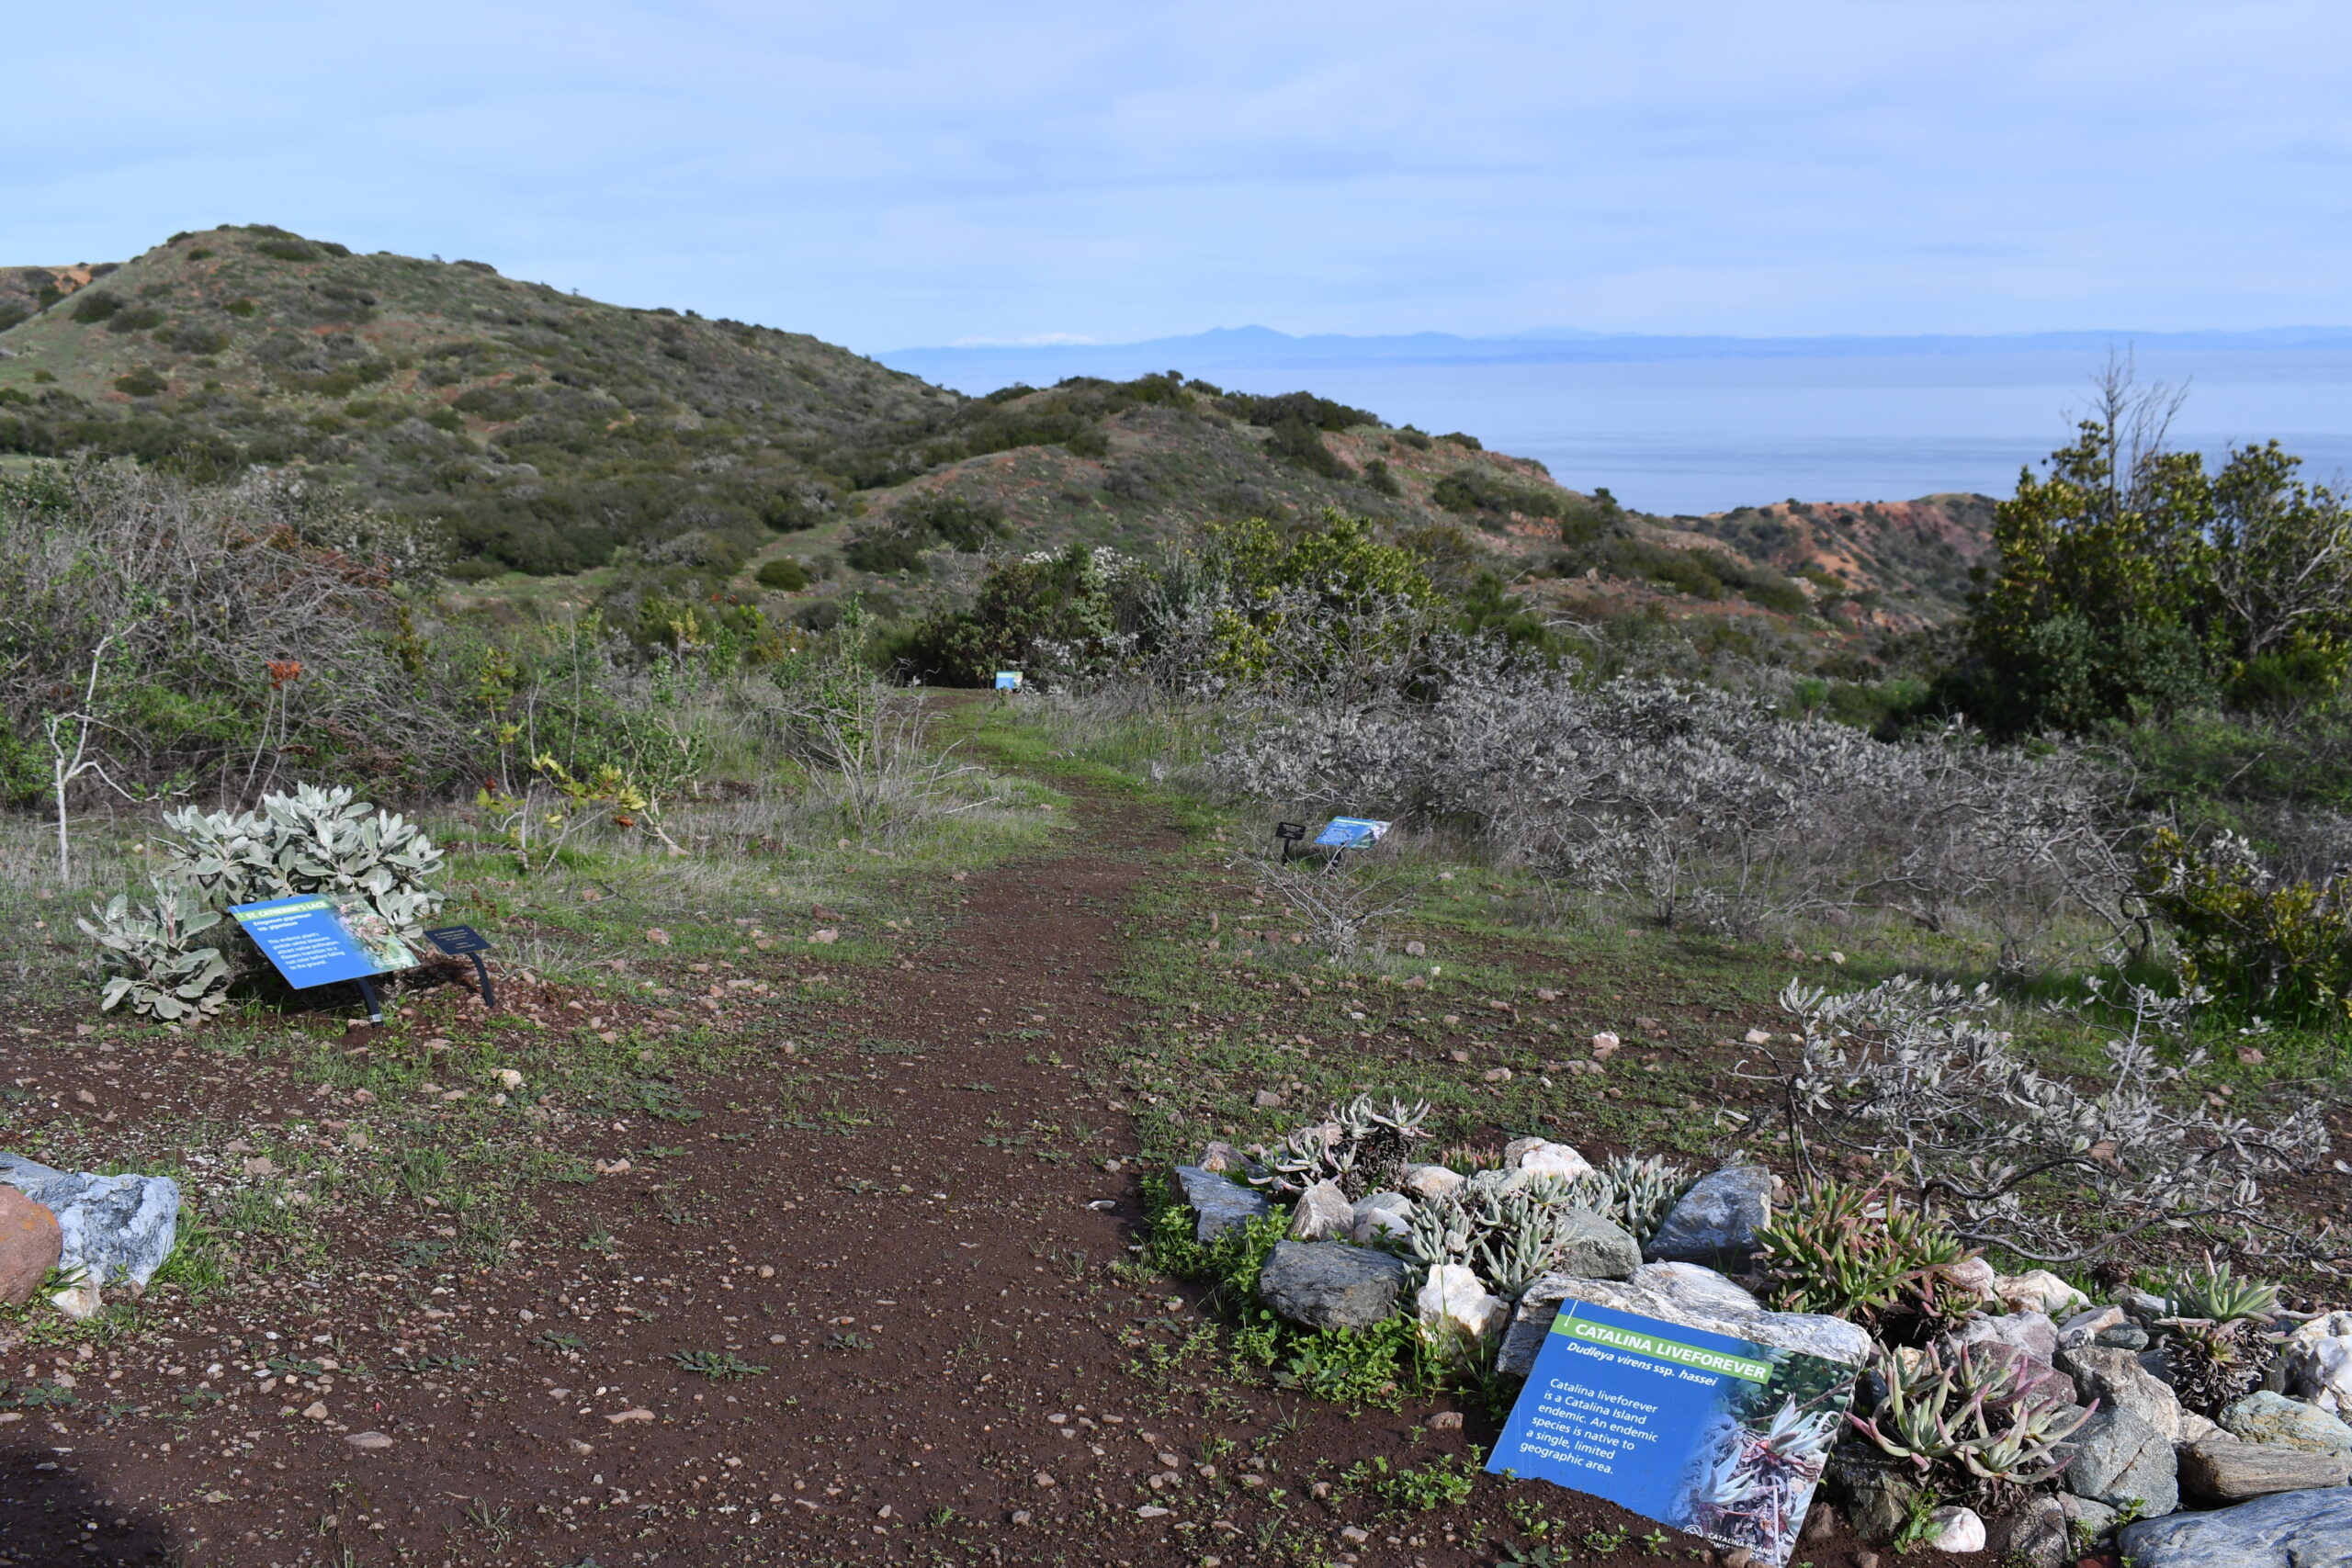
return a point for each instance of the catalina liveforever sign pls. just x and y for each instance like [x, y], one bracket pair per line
[1722, 1438]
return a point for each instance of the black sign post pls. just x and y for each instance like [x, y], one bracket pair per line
[464, 941]
[1289, 833]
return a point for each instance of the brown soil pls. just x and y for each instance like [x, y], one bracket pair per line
[954, 1373]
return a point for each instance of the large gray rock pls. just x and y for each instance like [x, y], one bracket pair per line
[2120, 1458]
[1218, 1205]
[112, 1227]
[1327, 1284]
[2030, 1332]
[2120, 1379]
[1716, 1221]
[1684, 1293]
[1594, 1248]
[2288, 1529]
[2223, 1469]
[2275, 1419]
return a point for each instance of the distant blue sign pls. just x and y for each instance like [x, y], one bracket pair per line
[316, 939]
[1008, 680]
[1724, 1438]
[1349, 832]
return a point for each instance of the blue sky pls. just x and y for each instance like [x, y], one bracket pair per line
[890, 175]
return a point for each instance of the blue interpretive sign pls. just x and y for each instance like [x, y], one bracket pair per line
[1008, 680]
[316, 939]
[1349, 832]
[1722, 1438]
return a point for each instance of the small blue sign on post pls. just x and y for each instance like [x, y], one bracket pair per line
[317, 939]
[1008, 680]
[1350, 833]
[1724, 1438]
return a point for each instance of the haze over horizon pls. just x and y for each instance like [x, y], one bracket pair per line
[912, 174]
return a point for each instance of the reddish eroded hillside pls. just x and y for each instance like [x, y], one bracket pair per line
[1900, 563]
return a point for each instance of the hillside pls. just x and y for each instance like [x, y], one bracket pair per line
[558, 435]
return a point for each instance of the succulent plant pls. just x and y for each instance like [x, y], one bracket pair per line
[1360, 1147]
[156, 970]
[1635, 1193]
[2221, 1344]
[1853, 1251]
[1987, 1423]
[1504, 1227]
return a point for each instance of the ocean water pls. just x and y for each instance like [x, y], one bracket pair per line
[1701, 434]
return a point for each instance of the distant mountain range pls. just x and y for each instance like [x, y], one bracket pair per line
[979, 367]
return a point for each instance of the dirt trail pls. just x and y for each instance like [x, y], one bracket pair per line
[890, 1213]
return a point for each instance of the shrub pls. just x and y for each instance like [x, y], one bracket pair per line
[1377, 476]
[241, 308]
[141, 384]
[883, 551]
[137, 318]
[958, 522]
[94, 306]
[1918, 1079]
[288, 250]
[783, 575]
[2285, 948]
[158, 970]
[314, 840]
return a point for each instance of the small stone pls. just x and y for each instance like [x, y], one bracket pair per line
[1452, 1301]
[2038, 1289]
[1444, 1421]
[1019, 1516]
[2117, 1379]
[1151, 1511]
[2085, 1327]
[30, 1244]
[1739, 1557]
[1591, 1248]
[657, 936]
[2124, 1336]
[1559, 1161]
[1043, 1478]
[1417, 949]
[2223, 1469]
[1715, 1223]
[2276, 1421]
[1605, 1044]
[1381, 1214]
[1496, 1075]
[508, 1079]
[1222, 1159]
[2034, 1536]
[317, 1411]
[1423, 1182]
[1322, 1213]
[624, 1417]
[1955, 1530]
[1354, 1535]
[576, 1446]
[1266, 1100]
[1327, 1284]
[2120, 1458]
[825, 937]
[1218, 1205]
[369, 1440]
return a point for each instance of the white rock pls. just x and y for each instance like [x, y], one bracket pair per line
[1383, 1213]
[1955, 1530]
[1423, 1182]
[2318, 1361]
[2039, 1290]
[79, 1301]
[1556, 1160]
[1452, 1301]
[509, 1079]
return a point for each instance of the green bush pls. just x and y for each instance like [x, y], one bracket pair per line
[286, 250]
[1377, 476]
[2257, 943]
[783, 575]
[141, 384]
[884, 551]
[955, 521]
[241, 308]
[94, 306]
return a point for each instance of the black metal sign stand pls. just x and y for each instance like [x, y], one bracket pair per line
[1290, 833]
[375, 1008]
[464, 941]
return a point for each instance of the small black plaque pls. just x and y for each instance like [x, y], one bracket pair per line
[1288, 833]
[457, 940]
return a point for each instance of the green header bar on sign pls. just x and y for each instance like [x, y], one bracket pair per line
[1650, 1345]
[283, 906]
